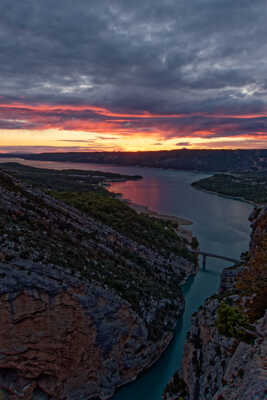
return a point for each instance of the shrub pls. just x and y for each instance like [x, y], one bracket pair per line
[232, 323]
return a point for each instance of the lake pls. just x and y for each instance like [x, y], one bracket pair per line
[221, 226]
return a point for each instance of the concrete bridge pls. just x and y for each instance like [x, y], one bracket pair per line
[205, 255]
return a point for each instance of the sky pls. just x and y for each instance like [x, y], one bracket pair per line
[115, 75]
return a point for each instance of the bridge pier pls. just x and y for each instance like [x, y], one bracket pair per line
[204, 261]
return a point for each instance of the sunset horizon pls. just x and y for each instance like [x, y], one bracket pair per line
[65, 127]
[133, 199]
[132, 77]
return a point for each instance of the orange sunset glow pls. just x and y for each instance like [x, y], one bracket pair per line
[132, 77]
[92, 128]
[133, 199]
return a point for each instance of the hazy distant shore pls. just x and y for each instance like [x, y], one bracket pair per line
[178, 159]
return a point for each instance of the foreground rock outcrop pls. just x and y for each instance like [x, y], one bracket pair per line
[63, 338]
[82, 308]
[225, 356]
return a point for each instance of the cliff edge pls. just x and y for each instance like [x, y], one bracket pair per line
[225, 352]
[82, 307]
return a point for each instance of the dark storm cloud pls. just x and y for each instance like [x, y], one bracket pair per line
[162, 56]
[16, 125]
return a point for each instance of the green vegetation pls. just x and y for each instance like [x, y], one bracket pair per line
[64, 180]
[241, 373]
[151, 232]
[36, 231]
[178, 387]
[194, 243]
[3, 396]
[41, 228]
[248, 186]
[233, 323]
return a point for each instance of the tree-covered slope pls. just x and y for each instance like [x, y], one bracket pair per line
[84, 307]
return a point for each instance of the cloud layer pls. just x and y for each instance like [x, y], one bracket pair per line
[165, 69]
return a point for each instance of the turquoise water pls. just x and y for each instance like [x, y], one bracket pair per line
[221, 226]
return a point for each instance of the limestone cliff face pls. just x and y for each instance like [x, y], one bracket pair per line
[62, 338]
[81, 310]
[217, 366]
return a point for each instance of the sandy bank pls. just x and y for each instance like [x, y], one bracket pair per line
[143, 209]
[181, 231]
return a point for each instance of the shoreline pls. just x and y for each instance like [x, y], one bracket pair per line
[181, 231]
[144, 209]
[139, 208]
[227, 196]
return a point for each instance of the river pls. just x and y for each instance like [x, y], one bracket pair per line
[221, 226]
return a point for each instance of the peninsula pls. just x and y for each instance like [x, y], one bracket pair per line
[250, 186]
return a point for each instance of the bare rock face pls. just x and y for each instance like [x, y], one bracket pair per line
[82, 308]
[216, 367]
[61, 338]
[246, 375]
[226, 367]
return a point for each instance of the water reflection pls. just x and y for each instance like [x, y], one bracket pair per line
[220, 224]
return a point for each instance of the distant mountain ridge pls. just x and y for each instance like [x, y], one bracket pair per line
[199, 160]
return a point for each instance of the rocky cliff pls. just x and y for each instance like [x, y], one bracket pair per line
[225, 353]
[82, 308]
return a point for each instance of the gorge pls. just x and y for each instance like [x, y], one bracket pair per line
[83, 309]
[225, 351]
[220, 223]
